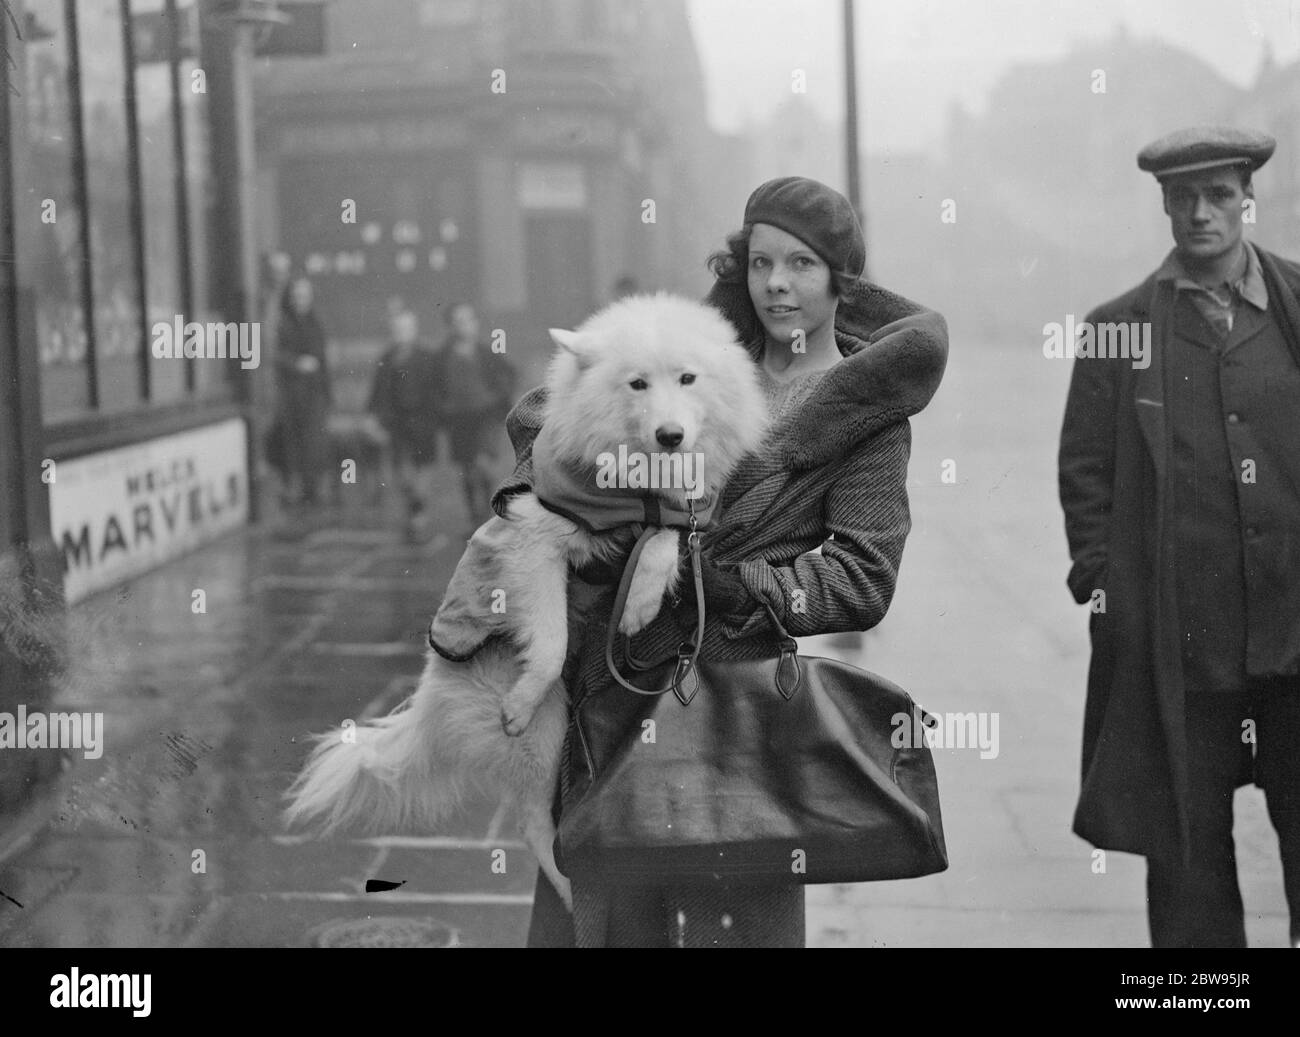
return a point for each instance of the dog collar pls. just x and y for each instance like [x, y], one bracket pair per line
[578, 497]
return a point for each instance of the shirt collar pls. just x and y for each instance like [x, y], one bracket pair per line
[1250, 286]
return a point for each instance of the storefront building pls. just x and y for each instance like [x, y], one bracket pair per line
[522, 155]
[113, 223]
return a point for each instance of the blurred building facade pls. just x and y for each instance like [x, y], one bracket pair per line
[794, 140]
[116, 216]
[520, 155]
[1036, 208]
[1273, 105]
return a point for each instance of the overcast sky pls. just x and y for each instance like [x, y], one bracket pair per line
[915, 57]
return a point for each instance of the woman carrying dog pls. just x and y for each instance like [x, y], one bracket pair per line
[812, 526]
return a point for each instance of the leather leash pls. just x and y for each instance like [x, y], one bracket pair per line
[688, 651]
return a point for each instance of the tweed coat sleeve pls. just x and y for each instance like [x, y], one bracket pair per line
[1086, 468]
[522, 425]
[850, 583]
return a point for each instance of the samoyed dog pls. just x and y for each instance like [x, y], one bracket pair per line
[659, 378]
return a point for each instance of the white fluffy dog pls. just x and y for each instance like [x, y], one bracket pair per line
[659, 379]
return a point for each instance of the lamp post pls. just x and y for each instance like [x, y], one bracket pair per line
[851, 119]
[249, 19]
[239, 24]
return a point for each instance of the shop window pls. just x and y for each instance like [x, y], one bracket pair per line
[210, 378]
[48, 218]
[91, 251]
[117, 327]
[162, 260]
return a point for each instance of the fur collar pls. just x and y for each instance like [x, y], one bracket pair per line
[895, 352]
[894, 356]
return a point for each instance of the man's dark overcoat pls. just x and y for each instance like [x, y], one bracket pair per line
[1113, 466]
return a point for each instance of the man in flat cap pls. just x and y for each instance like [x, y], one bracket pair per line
[1180, 481]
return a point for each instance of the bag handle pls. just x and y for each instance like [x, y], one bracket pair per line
[688, 652]
[788, 672]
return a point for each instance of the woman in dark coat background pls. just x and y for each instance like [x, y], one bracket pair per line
[303, 391]
[813, 525]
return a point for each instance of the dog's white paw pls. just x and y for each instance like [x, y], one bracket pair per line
[655, 576]
[638, 614]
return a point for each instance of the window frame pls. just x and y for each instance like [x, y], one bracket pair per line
[93, 430]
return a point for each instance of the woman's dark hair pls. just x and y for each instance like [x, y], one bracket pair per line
[731, 265]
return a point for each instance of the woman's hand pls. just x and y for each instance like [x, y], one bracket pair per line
[725, 593]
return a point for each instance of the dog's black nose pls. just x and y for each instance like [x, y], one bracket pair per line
[669, 435]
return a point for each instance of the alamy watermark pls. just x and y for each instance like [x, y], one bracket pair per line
[1084, 340]
[130, 990]
[634, 470]
[946, 731]
[37, 730]
[213, 340]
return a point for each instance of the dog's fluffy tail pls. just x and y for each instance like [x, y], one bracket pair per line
[391, 774]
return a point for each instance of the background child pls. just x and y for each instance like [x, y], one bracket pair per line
[406, 400]
[478, 388]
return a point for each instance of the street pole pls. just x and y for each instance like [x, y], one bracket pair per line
[851, 119]
[234, 126]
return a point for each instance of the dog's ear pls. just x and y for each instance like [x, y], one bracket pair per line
[571, 342]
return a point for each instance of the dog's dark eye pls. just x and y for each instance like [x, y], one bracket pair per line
[688, 379]
[639, 383]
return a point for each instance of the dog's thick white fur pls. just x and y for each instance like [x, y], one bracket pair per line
[638, 374]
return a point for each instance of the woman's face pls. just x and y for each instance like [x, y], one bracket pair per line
[789, 284]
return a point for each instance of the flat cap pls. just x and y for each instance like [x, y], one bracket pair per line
[1205, 147]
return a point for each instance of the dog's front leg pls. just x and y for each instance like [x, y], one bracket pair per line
[655, 576]
[542, 618]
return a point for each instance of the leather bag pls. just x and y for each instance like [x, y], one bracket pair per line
[783, 769]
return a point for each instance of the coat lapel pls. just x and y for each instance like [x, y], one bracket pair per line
[1281, 295]
[1249, 322]
[1149, 382]
[893, 356]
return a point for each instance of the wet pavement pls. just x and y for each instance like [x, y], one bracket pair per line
[172, 837]
[982, 622]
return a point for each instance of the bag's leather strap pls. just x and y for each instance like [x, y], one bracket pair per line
[684, 682]
[688, 652]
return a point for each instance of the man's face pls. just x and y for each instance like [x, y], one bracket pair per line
[1205, 211]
